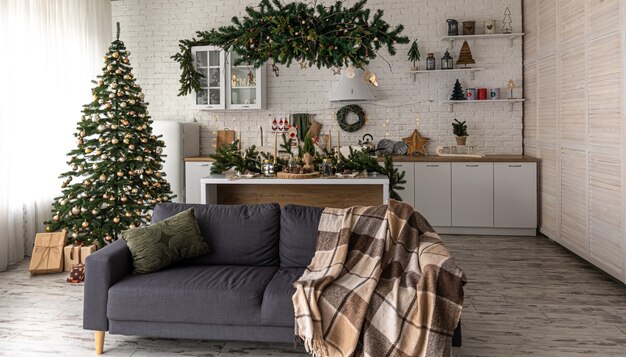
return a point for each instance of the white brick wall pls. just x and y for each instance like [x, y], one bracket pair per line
[151, 30]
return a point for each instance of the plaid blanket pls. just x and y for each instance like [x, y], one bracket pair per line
[381, 283]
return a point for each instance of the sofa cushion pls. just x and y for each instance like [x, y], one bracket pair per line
[277, 307]
[237, 235]
[161, 244]
[298, 235]
[192, 294]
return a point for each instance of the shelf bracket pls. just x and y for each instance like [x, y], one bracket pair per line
[473, 75]
[451, 43]
[511, 106]
[450, 107]
[511, 39]
[414, 76]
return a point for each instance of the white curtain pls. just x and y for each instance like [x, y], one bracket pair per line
[50, 52]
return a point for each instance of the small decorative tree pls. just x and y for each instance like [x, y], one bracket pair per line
[457, 92]
[507, 22]
[414, 54]
[115, 176]
[465, 56]
[459, 129]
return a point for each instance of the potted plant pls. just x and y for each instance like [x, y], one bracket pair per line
[459, 128]
[414, 55]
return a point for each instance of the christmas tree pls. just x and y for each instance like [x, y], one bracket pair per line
[507, 22]
[465, 56]
[114, 179]
[414, 54]
[457, 92]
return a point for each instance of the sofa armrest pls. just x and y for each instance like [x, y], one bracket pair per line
[103, 268]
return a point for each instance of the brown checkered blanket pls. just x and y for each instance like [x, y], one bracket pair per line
[381, 284]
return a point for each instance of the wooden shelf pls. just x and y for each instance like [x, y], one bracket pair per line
[469, 70]
[511, 102]
[508, 36]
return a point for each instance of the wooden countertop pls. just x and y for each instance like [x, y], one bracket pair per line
[430, 158]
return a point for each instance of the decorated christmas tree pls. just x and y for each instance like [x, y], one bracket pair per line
[457, 92]
[115, 176]
[507, 22]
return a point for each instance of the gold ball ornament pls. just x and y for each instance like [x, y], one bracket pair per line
[157, 174]
[116, 55]
[94, 211]
[116, 220]
[123, 104]
[105, 59]
[75, 210]
[125, 60]
[145, 183]
[94, 97]
[100, 82]
[125, 122]
[131, 147]
[118, 71]
[120, 93]
[56, 218]
[102, 177]
[100, 101]
[132, 101]
[121, 159]
[97, 152]
[132, 113]
[120, 173]
[74, 167]
[79, 142]
[114, 126]
[82, 133]
[109, 68]
[103, 156]
[114, 141]
[101, 127]
[123, 199]
[110, 115]
[74, 235]
[134, 191]
[112, 95]
[128, 214]
[105, 196]
[87, 183]
[148, 172]
[108, 105]
[88, 151]
[126, 141]
[114, 85]
[144, 140]
[48, 229]
[132, 226]
[101, 140]
[85, 224]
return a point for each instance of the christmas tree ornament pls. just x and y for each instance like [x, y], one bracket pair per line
[131, 147]
[109, 68]
[56, 217]
[48, 229]
[457, 92]
[116, 55]
[101, 140]
[120, 173]
[94, 211]
[123, 104]
[75, 210]
[88, 150]
[416, 143]
[114, 141]
[85, 224]
[465, 56]
[116, 220]
[114, 126]
[114, 85]
[118, 71]
[75, 235]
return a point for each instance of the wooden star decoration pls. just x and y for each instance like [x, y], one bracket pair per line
[416, 143]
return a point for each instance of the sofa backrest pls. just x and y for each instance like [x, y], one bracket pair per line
[298, 235]
[237, 234]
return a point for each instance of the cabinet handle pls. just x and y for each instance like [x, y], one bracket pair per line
[432, 165]
[475, 165]
[515, 165]
[204, 165]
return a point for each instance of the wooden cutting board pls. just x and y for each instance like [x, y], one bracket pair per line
[224, 137]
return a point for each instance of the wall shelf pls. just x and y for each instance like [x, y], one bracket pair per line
[511, 102]
[470, 70]
[495, 36]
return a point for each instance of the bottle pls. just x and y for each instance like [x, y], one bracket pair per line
[430, 62]
[326, 167]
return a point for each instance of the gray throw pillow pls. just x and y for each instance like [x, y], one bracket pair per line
[161, 244]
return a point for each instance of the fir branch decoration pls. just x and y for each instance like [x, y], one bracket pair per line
[307, 33]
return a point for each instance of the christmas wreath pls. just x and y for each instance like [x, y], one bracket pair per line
[310, 34]
[343, 113]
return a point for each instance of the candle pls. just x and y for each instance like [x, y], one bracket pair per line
[240, 140]
[338, 145]
[275, 146]
[330, 140]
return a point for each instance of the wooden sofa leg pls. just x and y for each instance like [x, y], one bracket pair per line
[99, 336]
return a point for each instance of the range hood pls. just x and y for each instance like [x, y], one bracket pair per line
[352, 89]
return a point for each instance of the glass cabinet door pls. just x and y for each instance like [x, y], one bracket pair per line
[245, 83]
[209, 61]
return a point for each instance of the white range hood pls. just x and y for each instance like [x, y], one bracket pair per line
[353, 89]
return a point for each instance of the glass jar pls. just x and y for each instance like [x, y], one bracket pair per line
[326, 169]
[430, 62]
[267, 168]
[447, 62]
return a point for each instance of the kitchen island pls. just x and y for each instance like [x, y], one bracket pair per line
[319, 192]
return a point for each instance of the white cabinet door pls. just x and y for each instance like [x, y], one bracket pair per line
[194, 171]
[408, 194]
[432, 192]
[472, 194]
[210, 62]
[515, 194]
[245, 85]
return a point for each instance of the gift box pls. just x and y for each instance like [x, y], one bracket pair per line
[75, 254]
[47, 254]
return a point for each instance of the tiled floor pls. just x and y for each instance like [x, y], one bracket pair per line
[525, 296]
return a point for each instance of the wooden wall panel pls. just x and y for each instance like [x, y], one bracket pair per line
[605, 92]
[572, 24]
[604, 17]
[530, 106]
[605, 210]
[546, 40]
[573, 94]
[546, 102]
[574, 201]
[548, 192]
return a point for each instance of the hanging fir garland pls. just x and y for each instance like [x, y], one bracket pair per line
[343, 113]
[312, 35]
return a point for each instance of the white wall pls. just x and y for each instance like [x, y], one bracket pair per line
[152, 29]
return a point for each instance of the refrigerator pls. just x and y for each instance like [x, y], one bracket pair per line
[181, 140]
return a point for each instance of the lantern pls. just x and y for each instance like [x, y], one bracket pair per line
[446, 61]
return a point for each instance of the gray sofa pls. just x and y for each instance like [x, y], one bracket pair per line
[240, 291]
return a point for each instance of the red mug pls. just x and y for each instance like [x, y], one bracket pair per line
[482, 93]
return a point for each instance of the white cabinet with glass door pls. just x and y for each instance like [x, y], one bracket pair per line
[246, 85]
[210, 62]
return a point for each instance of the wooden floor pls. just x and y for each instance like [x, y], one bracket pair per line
[525, 296]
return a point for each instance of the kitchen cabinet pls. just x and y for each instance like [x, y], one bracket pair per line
[472, 194]
[194, 171]
[433, 192]
[515, 195]
[408, 194]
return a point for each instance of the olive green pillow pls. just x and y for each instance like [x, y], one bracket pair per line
[159, 245]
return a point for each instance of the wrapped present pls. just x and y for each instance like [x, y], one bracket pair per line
[77, 274]
[47, 254]
[76, 254]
